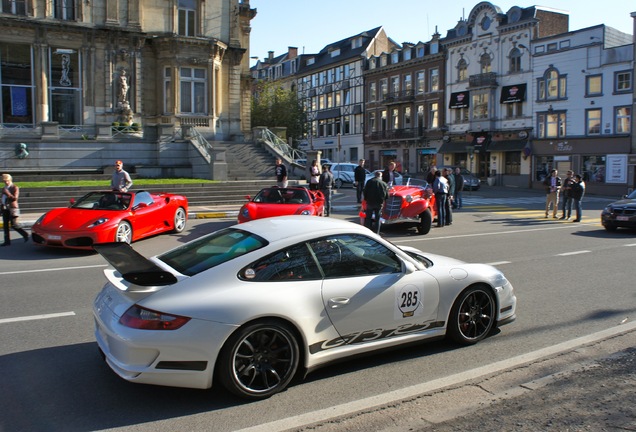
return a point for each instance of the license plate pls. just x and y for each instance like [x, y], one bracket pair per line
[622, 218]
[54, 237]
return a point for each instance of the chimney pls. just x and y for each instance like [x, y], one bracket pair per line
[292, 52]
[270, 55]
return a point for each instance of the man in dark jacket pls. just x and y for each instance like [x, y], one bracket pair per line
[375, 193]
[325, 185]
[359, 177]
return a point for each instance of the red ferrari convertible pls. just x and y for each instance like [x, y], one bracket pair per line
[108, 216]
[275, 201]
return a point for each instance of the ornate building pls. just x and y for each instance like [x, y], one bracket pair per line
[77, 66]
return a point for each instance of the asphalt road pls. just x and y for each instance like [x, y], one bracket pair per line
[572, 281]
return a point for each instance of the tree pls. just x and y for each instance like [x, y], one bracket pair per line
[273, 106]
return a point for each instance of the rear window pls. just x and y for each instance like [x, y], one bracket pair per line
[212, 250]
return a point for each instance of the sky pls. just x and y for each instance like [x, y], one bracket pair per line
[310, 25]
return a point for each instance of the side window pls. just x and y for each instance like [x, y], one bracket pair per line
[354, 255]
[143, 197]
[294, 263]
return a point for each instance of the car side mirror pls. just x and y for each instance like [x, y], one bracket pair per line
[72, 201]
[140, 206]
[409, 267]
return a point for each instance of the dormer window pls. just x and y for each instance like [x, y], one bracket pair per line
[311, 60]
[334, 52]
[356, 43]
[395, 57]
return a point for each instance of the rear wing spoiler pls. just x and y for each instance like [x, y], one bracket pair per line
[134, 267]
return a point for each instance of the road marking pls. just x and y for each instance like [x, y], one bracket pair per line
[439, 384]
[53, 269]
[574, 253]
[499, 263]
[36, 317]
[630, 245]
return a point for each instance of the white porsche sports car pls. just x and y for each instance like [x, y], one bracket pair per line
[253, 304]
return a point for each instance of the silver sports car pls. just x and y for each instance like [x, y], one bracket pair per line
[254, 304]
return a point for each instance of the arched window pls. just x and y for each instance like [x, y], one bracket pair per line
[462, 70]
[552, 85]
[515, 60]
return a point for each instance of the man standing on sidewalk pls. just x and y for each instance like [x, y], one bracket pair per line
[566, 196]
[552, 185]
[359, 177]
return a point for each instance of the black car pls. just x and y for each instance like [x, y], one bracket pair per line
[620, 214]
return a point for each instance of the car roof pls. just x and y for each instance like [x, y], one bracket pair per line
[277, 228]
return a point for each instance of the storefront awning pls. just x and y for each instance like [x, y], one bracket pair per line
[459, 100]
[507, 145]
[427, 151]
[388, 152]
[513, 94]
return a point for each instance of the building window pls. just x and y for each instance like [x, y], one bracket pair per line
[420, 119]
[407, 84]
[551, 125]
[406, 54]
[552, 86]
[462, 70]
[434, 80]
[486, 63]
[65, 9]
[514, 110]
[17, 85]
[193, 91]
[480, 105]
[372, 124]
[187, 15]
[15, 7]
[593, 121]
[594, 85]
[623, 120]
[515, 60]
[383, 124]
[406, 123]
[384, 87]
[594, 169]
[433, 115]
[383, 60]
[395, 57]
[419, 82]
[395, 85]
[65, 87]
[372, 62]
[623, 82]
[395, 119]
[167, 89]
[461, 115]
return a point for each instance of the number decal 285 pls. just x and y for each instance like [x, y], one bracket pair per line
[408, 302]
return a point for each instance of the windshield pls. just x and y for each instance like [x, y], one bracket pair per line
[415, 182]
[212, 250]
[103, 201]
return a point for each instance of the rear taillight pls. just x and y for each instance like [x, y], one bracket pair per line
[141, 318]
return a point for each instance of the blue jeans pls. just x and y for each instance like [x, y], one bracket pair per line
[579, 209]
[567, 207]
[440, 204]
[458, 199]
[327, 194]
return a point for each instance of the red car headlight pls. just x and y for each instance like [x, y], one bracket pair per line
[98, 222]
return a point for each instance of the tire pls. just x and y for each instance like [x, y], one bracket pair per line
[259, 360]
[472, 316]
[180, 219]
[426, 222]
[339, 183]
[123, 233]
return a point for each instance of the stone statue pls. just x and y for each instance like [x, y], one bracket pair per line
[123, 87]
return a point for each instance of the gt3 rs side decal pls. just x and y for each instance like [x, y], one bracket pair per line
[373, 335]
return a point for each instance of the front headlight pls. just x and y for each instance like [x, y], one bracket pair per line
[98, 222]
[245, 213]
[306, 212]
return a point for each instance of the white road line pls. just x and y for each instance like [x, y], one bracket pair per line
[53, 269]
[36, 317]
[437, 384]
[499, 263]
[574, 253]
[630, 245]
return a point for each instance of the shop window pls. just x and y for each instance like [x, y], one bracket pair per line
[594, 169]
[17, 85]
[512, 163]
[544, 165]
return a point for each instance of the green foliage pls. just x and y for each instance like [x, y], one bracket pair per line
[273, 106]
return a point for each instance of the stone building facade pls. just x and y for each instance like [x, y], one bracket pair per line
[77, 66]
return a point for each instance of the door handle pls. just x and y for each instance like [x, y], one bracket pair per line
[338, 302]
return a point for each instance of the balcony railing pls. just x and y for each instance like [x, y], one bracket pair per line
[395, 134]
[397, 97]
[483, 80]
